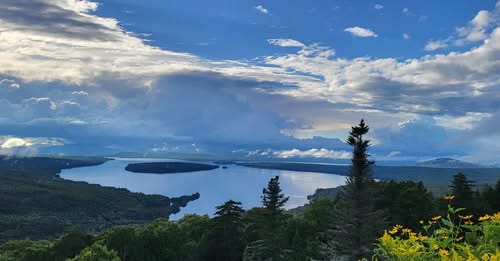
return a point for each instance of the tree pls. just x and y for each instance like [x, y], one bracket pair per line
[357, 223]
[96, 252]
[461, 188]
[224, 241]
[269, 245]
[272, 198]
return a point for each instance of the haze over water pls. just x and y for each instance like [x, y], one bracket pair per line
[215, 186]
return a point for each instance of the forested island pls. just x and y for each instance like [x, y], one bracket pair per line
[37, 204]
[168, 167]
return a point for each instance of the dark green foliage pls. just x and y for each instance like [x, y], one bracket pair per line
[96, 252]
[70, 244]
[269, 243]
[462, 188]
[357, 223]
[234, 234]
[224, 242]
[37, 204]
[405, 202]
[272, 198]
[25, 250]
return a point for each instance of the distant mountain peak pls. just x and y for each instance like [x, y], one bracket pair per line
[447, 163]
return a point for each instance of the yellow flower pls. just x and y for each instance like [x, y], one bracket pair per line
[468, 222]
[460, 238]
[405, 230]
[444, 252]
[435, 247]
[466, 217]
[436, 218]
[449, 197]
[432, 222]
[421, 222]
[393, 231]
[485, 217]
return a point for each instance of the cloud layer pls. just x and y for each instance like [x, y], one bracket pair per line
[71, 74]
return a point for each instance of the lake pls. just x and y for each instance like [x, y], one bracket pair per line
[215, 186]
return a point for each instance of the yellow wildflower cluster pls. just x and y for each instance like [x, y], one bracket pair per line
[444, 241]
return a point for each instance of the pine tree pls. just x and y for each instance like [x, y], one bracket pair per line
[357, 223]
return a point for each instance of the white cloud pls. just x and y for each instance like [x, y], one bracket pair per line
[14, 142]
[406, 36]
[312, 153]
[468, 121]
[42, 100]
[393, 154]
[435, 45]
[476, 30]
[84, 93]
[286, 43]
[126, 74]
[405, 10]
[361, 32]
[9, 83]
[378, 6]
[261, 9]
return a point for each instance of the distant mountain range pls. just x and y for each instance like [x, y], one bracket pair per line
[448, 163]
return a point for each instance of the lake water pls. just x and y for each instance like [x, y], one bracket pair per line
[215, 186]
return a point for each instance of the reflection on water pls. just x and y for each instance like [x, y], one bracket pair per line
[215, 186]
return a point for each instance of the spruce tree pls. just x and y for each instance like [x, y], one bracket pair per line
[272, 198]
[462, 189]
[270, 244]
[357, 223]
[225, 238]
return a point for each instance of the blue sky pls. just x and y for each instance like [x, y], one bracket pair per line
[251, 78]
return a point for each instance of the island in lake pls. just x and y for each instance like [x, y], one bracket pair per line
[168, 167]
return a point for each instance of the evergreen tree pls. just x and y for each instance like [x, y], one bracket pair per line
[269, 246]
[224, 242]
[357, 223]
[272, 198]
[462, 189]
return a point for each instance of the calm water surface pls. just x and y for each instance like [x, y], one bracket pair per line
[215, 186]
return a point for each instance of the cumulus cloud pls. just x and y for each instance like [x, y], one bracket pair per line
[14, 142]
[378, 6]
[406, 36]
[360, 32]
[434, 45]
[476, 30]
[84, 73]
[261, 9]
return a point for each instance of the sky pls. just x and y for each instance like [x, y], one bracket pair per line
[257, 79]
